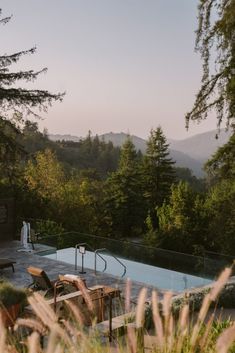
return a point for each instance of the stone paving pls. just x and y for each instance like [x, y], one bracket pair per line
[53, 268]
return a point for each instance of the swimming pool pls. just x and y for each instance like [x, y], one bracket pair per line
[151, 275]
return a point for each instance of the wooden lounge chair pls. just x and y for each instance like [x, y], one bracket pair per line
[40, 280]
[4, 263]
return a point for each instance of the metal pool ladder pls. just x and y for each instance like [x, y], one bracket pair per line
[97, 253]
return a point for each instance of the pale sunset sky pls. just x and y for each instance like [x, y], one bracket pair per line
[126, 65]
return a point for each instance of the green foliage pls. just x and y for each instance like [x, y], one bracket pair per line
[151, 235]
[217, 329]
[34, 141]
[124, 203]
[10, 295]
[91, 199]
[158, 172]
[195, 298]
[216, 44]
[11, 152]
[89, 153]
[20, 100]
[192, 223]
[88, 185]
[219, 207]
[72, 201]
[45, 175]
[81, 199]
[185, 174]
[14, 103]
[220, 199]
[48, 227]
[227, 296]
[222, 163]
[181, 220]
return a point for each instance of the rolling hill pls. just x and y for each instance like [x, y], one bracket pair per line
[201, 146]
[189, 153]
[182, 159]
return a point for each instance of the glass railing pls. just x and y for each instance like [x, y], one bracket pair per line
[208, 266]
[215, 262]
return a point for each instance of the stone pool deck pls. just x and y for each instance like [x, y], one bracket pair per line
[53, 268]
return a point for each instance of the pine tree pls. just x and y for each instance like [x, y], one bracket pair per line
[124, 200]
[17, 102]
[20, 100]
[158, 173]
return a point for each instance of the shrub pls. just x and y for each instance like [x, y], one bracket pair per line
[48, 227]
[226, 299]
[10, 295]
[227, 296]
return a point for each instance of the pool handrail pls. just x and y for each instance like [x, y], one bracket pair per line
[97, 252]
[89, 247]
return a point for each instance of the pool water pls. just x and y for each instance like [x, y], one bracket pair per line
[155, 276]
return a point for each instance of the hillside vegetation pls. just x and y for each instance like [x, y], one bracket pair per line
[97, 188]
[190, 153]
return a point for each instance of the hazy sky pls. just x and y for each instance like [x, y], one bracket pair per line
[126, 65]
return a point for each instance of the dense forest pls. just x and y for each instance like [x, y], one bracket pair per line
[96, 188]
[93, 187]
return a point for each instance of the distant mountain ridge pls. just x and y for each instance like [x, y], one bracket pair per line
[201, 146]
[182, 159]
[119, 138]
[188, 153]
[68, 137]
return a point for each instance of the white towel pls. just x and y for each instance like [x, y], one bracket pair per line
[72, 277]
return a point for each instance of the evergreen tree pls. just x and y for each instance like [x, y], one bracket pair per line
[15, 102]
[215, 41]
[185, 174]
[128, 157]
[158, 173]
[89, 153]
[11, 152]
[20, 100]
[124, 201]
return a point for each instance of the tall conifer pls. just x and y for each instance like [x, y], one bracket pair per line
[17, 102]
[158, 172]
[124, 198]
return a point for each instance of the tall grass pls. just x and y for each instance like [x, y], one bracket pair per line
[46, 333]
